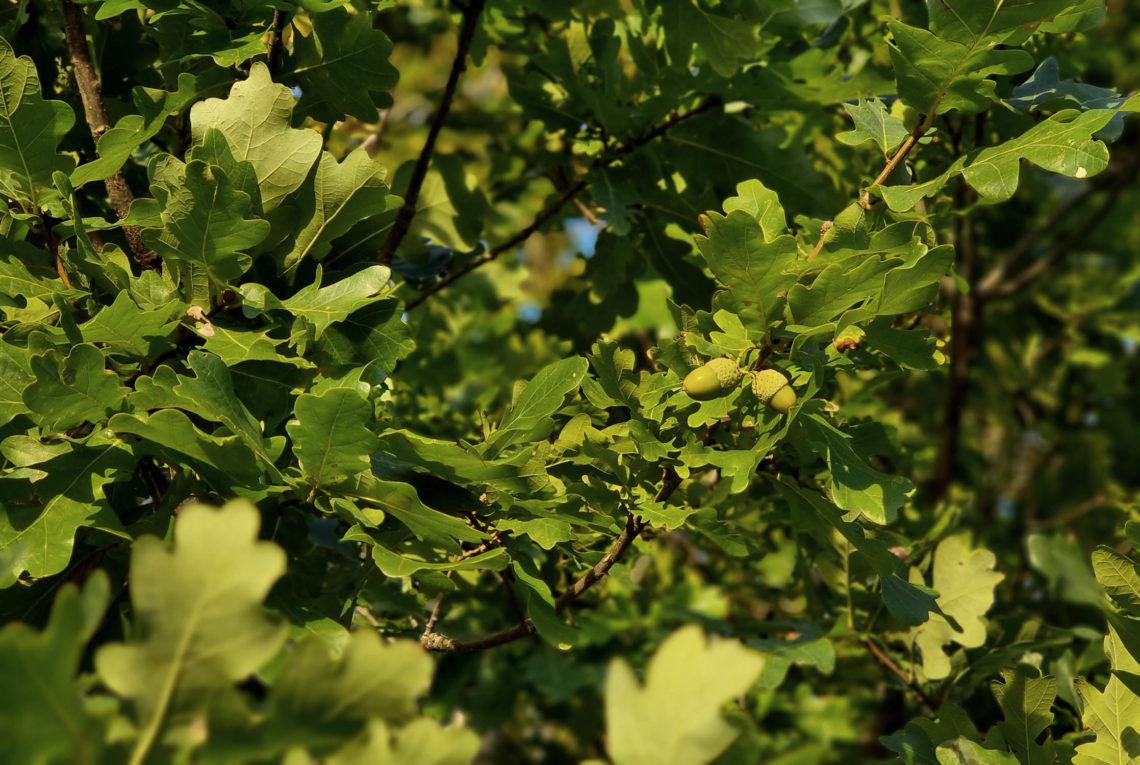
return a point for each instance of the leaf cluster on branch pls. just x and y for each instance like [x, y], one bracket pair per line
[756, 349]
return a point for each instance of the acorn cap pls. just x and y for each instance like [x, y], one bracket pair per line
[727, 372]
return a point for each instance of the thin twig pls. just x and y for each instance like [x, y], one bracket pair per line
[1062, 249]
[371, 144]
[519, 237]
[52, 242]
[587, 213]
[434, 641]
[436, 612]
[367, 616]
[671, 122]
[633, 528]
[894, 162]
[1064, 519]
[508, 581]
[407, 211]
[822, 238]
[892, 165]
[95, 111]
[569, 195]
[997, 288]
[889, 663]
[477, 550]
[634, 525]
[988, 283]
[1113, 181]
[273, 55]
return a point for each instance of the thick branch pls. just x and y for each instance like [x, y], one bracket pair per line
[273, 55]
[407, 211]
[91, 93]
[967, 314]
[568, 196]
[965, 320]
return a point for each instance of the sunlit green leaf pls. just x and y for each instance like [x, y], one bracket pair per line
[255, 121]
[965, 581]
[675, 716]
[219, 574]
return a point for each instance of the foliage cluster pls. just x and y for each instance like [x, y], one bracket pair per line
[341, 406]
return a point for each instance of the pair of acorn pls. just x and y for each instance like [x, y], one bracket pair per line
[719, 377]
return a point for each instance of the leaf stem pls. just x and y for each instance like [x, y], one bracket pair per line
[52, 242]
[166, 692]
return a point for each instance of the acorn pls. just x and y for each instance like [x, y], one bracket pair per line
[771, 386]
[717, 378]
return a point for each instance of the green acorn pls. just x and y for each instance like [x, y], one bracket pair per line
[773, 389]
[717, 378]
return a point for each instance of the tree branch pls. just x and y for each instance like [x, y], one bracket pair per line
[965, 322]
[1113, 182]
[407, 211]
[568, 196]
[273, 55]
[519, 237]
[989, 283]
[670, 123]
[894, 162]
[95, 111]
[371, 144]
[889, 663]
[436, 613]
[633, 528]
[435, 641]
[1060, 251]
[892, 165]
